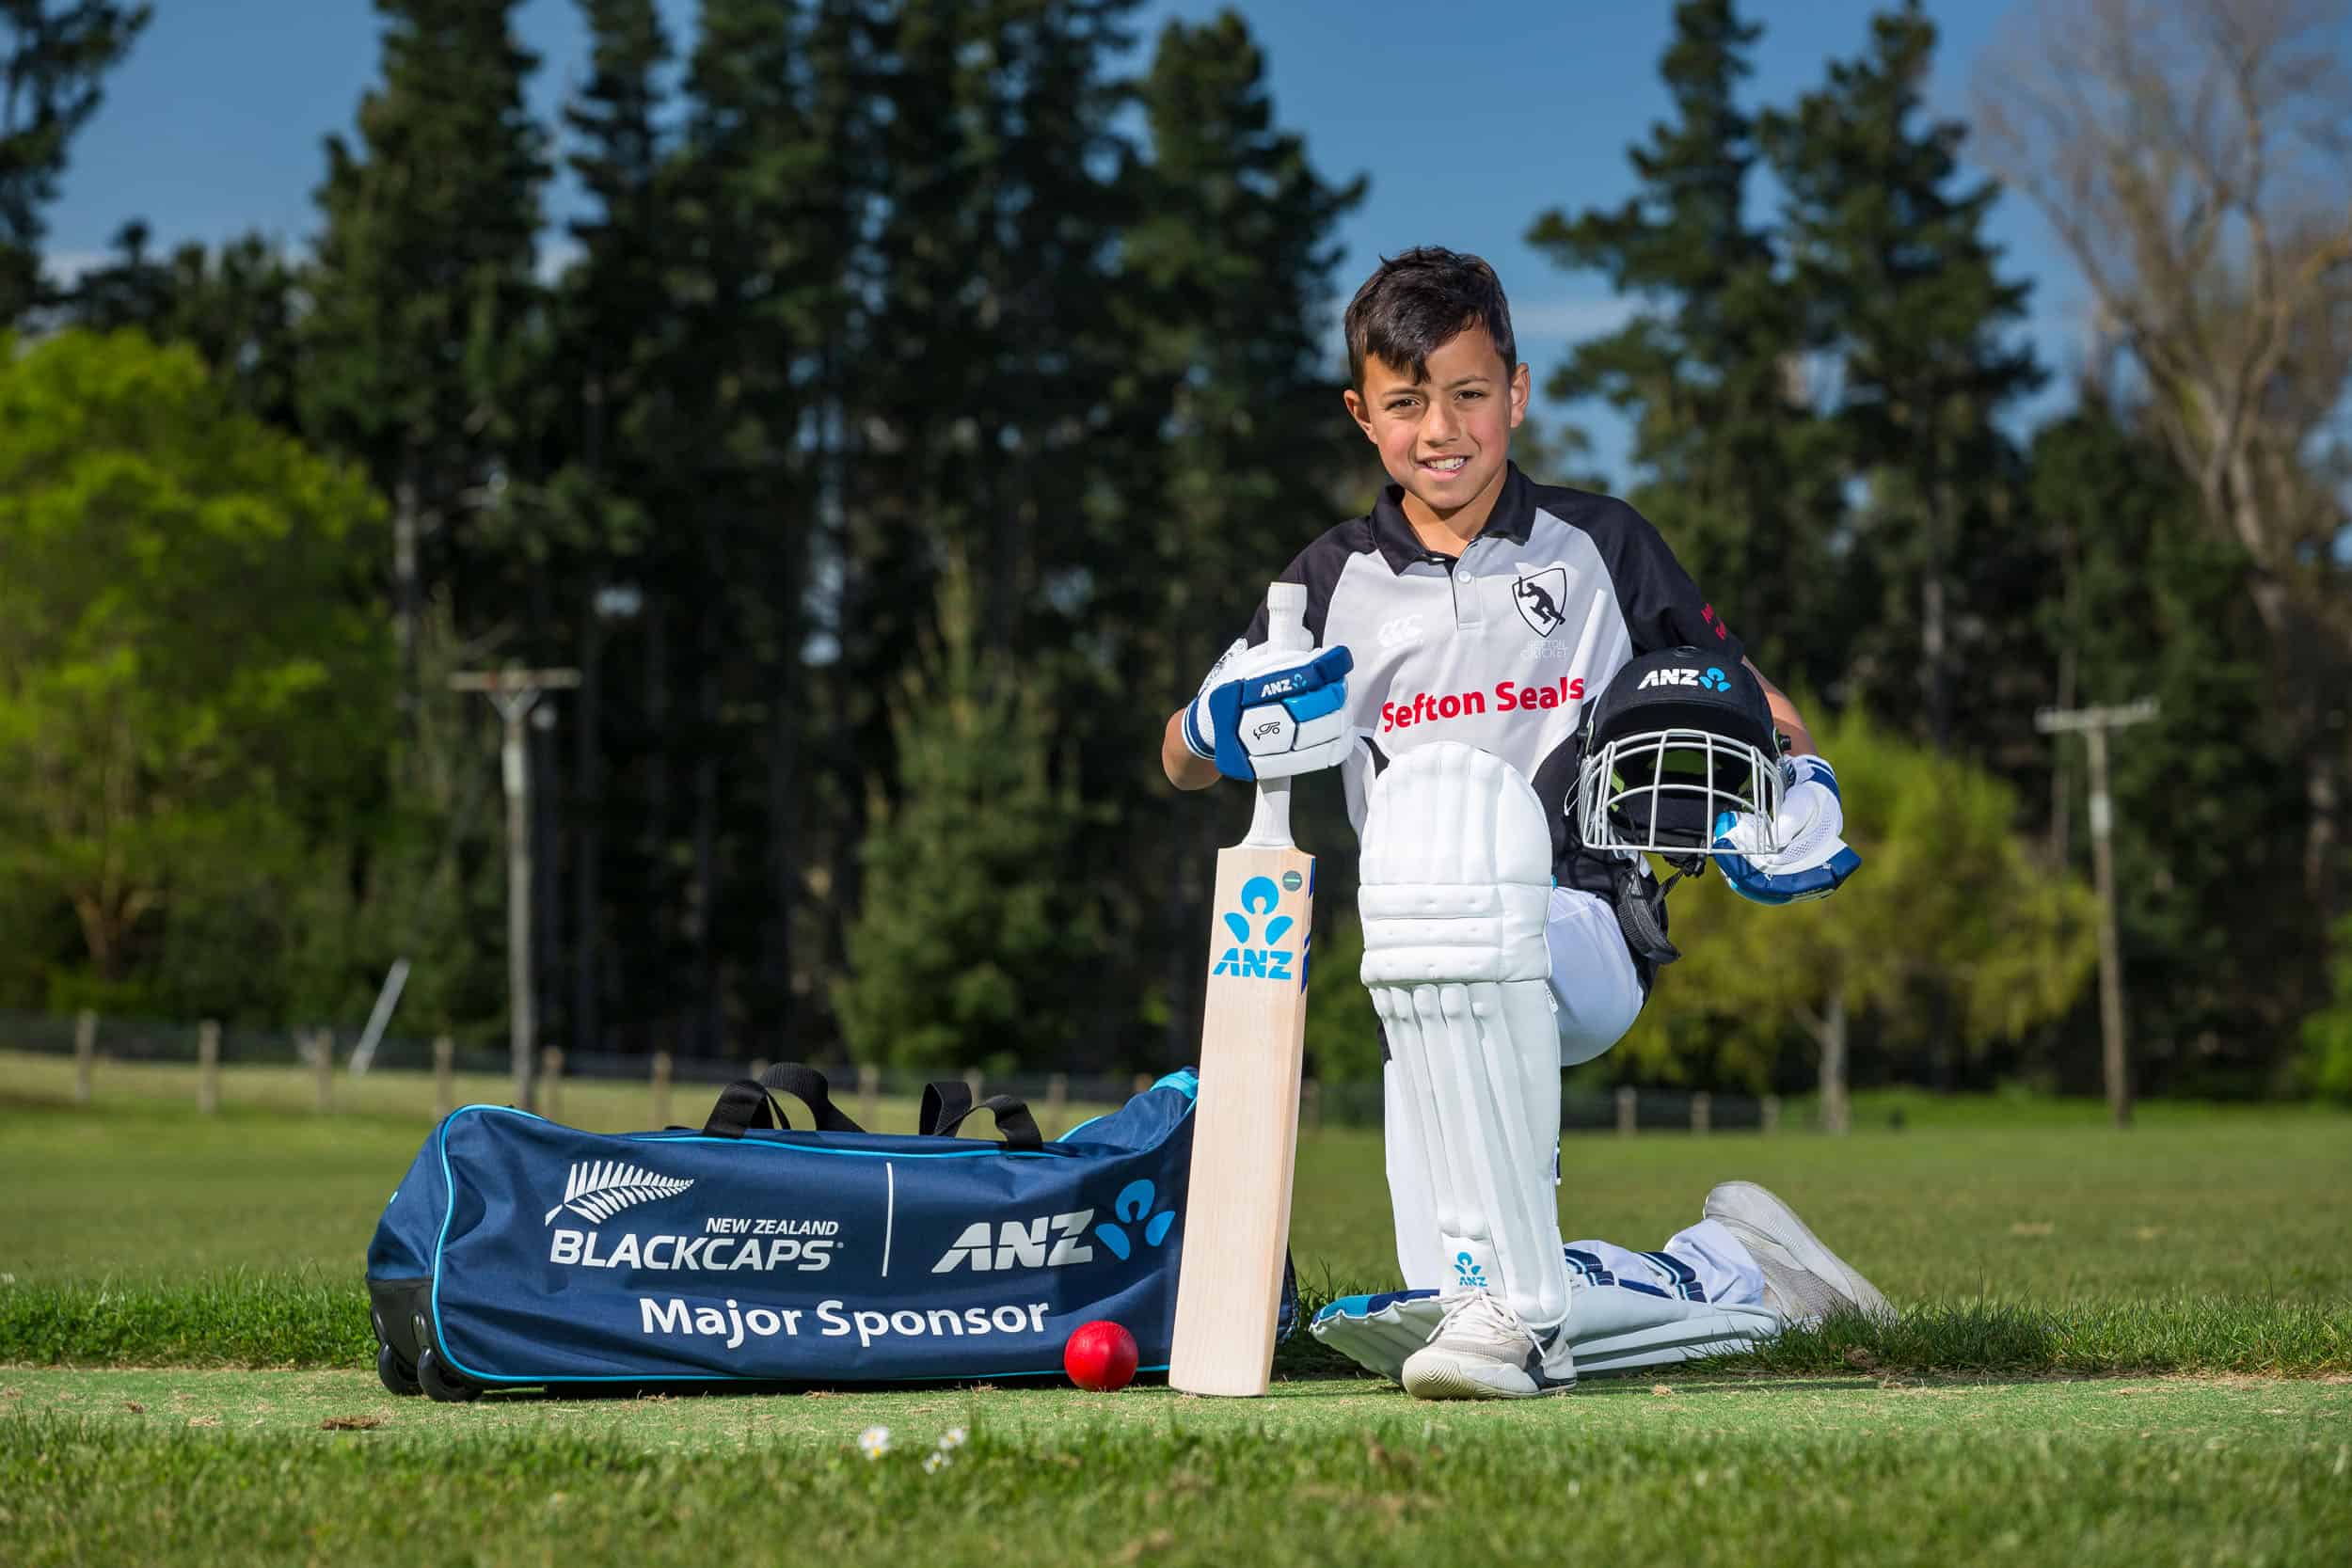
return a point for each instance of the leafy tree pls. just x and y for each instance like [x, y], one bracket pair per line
[1739, 472]
[1905, 292]
[2187, 153]
[51, 59]
[156, 732]
[1947, 900]
[978, 936]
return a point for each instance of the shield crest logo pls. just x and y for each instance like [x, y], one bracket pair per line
[1541, 597]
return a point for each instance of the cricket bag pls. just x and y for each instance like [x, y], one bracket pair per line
[520, 1251]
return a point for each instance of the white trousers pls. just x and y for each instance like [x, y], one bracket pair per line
[1593, 980]
[1599, 994]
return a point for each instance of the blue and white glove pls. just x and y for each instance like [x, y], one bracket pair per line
[1813, 861]
[1268, 712]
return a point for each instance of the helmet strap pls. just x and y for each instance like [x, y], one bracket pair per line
[1642, 909]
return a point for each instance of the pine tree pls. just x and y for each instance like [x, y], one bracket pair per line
[1907, 296]
[755, 274]
[984, 354]
[970, 949]
[417, 340]
[51, 59]
[1233, 435]
[234, 306]
[1711, 372]
[612, 443]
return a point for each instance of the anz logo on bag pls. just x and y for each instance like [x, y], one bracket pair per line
[1056, 1241]
[1269, 960]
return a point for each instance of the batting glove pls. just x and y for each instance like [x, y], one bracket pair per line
[1268, 712]
[1813, 861]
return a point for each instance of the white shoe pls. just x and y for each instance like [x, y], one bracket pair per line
[1804, 1280]
[1482, 1351]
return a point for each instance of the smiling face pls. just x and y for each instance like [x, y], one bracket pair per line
[1446, 435]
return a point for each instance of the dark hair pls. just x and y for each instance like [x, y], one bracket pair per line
[1414, 304]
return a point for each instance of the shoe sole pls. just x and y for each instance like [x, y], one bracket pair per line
[1784, 1230]
[1450, 1381]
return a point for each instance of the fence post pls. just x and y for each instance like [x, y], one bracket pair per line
[323, 1044]
[1311, 1104]
[207, 1067]
[1056, 1098]
[759, 1067]
[84, 1054]
[1626, 1110]
[1772, 1113]
[868, 1094]
[1142, 1081]
[1702, 1111]
[444, 1076]
[663, 1066]
[551, 1083]
[972, 1082]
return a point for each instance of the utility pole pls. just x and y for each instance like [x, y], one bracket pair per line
[514, 693]
[2094, 723]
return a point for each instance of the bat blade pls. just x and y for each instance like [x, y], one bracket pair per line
[1245, 1136]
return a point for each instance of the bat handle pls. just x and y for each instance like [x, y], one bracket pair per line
[1270, 824]
[1285, 628]
[1286, 615]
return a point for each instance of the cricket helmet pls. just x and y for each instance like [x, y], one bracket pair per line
[1675, 739]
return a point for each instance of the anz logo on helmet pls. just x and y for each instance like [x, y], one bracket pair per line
[1710, 679]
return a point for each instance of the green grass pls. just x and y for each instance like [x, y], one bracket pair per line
[602, 1106]
[2203, 1255]
[1834, 1472]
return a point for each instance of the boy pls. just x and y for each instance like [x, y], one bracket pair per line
[1481, 613]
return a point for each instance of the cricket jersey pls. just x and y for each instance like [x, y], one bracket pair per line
[1499, 647]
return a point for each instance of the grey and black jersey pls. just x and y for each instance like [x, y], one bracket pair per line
[1500, 647]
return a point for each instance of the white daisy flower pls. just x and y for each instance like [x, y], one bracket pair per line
[874, 1441]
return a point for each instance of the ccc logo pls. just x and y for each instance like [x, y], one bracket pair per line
[1404, 629]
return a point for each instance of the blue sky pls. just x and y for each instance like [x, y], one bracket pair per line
[1470, 119]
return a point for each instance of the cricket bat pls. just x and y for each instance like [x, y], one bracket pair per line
[1245, 1135]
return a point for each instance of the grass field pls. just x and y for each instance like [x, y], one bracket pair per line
[2116, 1349]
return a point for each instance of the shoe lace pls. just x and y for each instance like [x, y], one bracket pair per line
[1483, 1310]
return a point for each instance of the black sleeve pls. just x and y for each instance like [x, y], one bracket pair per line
[1663, 607]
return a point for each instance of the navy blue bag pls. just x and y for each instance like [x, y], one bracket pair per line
[521, 1251]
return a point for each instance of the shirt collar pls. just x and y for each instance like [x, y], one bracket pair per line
[1513, 519]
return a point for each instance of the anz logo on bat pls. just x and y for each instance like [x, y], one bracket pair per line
[1261, 951]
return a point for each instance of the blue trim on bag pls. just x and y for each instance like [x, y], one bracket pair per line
[449, 1212]
[1185, 1081]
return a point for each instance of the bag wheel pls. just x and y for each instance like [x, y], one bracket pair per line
[439, 1384]
[397, 1376]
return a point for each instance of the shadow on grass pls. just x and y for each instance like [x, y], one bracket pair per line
[310, 1318]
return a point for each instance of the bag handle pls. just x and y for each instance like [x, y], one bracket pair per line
[948, 1102]
[745, 1103]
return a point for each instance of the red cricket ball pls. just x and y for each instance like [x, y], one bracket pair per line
[1100, 1356]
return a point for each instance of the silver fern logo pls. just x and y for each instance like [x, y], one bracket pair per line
[599, 1189]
